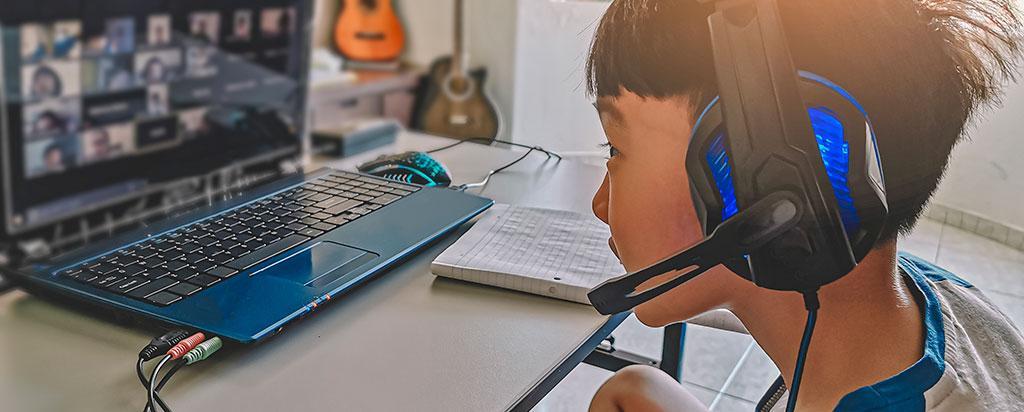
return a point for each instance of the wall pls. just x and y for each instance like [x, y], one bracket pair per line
[552, 109]
[986, 174]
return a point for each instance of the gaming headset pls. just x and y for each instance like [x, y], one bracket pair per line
[783, 165]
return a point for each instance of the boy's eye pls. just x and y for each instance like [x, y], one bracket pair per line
[612, 151]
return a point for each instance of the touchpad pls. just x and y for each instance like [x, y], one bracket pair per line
[320, 264]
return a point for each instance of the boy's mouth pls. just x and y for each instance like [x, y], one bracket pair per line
[611, 244]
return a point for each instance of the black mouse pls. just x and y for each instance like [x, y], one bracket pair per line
[409, 167]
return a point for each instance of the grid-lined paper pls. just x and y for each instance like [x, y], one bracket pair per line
[546, 252]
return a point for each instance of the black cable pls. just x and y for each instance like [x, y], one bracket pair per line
[487, 178]
[170, 373]
[145, 384]
[812, 305]
[495, 140]
[152, 388]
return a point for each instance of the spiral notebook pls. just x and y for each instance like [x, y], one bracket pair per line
[546, 252]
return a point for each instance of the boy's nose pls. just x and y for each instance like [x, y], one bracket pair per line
[600, 202]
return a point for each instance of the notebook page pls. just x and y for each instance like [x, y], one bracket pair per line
[547, 252]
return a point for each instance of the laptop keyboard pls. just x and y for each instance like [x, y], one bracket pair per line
[173, 266]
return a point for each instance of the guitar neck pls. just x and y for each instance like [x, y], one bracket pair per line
[459, 55]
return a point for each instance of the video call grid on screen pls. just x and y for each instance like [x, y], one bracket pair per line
[115, 94]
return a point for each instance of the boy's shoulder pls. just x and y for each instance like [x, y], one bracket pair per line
[972, 359]
[979, 352]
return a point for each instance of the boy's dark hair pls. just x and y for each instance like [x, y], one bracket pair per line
[921, 68]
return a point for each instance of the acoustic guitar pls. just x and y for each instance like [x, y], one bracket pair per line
[455, 103]
[369, 30]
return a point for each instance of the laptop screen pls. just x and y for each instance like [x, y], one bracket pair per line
[116, 100]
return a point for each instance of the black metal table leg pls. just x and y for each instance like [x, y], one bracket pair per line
[672, 351]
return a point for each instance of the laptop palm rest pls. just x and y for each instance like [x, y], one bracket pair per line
[320, 264]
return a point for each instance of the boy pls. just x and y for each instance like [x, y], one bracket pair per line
[897, 333]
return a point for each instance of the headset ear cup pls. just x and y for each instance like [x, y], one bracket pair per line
[848, 148]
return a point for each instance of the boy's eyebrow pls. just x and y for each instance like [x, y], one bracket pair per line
[604, 108]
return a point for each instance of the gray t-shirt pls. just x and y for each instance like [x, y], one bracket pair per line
[973, 354]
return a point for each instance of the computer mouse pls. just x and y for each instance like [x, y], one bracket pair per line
[409, 167]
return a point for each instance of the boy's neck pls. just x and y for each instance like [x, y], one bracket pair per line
[869, 328]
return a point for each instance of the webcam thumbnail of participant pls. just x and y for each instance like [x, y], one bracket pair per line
[53, 78]
[199, 61]
[158, 30]
[205, 26]
[276, 22]
[59, 41]
[108, 143]
[50, 155]
[107, 74]
[67, 39]
[193, 121]
[35, 42]
[157, 100]
[53, 117]
[158, 66]
[242, 29]
[118, 37]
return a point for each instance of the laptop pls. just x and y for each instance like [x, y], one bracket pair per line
[183, 118]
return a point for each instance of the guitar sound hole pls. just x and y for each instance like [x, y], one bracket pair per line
[370, 35]
[369, 4]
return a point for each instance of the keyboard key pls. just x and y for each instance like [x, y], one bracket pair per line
[184, 289]
[163, 298]
[362, 211]
[319, 197]
[296, 226]
[152, 287]
[323, 226]
[127, 285]
[87, 276]
[204, 266]
[190, 247]
[105, 268]
[133, 270]
[221, 272]
[329, 202]
[321, 216]
[343, 206]
[337, 220]
[176, 265]
[311, 232]
[184, 274]
[204, 280]
[222, 258]
[155, 273]
[172, 255]
[193, 258]
[211, 251]
[106, 280]
[266, 252]
[309, 221]
[384, 199]
[153, 262]
[143, 254]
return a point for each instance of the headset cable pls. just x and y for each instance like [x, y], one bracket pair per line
[812, 304]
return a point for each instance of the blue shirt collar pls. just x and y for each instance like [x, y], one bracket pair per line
[905, 391]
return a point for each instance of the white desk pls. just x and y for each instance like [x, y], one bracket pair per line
[404, 341]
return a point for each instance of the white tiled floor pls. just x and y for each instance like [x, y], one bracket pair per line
[729, 372]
